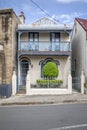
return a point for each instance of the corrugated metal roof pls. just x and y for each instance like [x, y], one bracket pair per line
[44, 27]
[82, 22]
[45, 24]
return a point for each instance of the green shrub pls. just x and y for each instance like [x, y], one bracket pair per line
[50, 70]
[49, 83]
[42, 81]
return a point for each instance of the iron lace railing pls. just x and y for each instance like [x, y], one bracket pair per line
[45, 46]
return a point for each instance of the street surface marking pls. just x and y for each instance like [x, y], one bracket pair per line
[69, 127]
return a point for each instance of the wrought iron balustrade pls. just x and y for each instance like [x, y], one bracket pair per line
[45, 46]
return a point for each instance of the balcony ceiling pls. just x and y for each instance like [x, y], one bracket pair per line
[45, 53]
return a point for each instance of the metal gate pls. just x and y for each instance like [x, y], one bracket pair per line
[76, 83]
[5, 90]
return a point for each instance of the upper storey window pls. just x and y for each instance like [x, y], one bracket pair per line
[33, 41]
[33, 37]
[55, 37]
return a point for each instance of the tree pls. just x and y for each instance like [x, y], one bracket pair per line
[50, 70]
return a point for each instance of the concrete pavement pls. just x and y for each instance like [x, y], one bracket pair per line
[46, 99]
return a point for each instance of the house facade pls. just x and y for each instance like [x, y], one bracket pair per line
[40, 42]
[8, 44]
[79, 47]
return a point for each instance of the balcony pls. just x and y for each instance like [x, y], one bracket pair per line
[44, 48]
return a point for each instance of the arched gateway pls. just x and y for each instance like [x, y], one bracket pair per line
[22, 72]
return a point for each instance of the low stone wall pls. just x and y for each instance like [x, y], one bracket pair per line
[47, 91]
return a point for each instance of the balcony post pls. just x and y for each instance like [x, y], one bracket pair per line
[18, 74]
[19, 44]
[18, 40]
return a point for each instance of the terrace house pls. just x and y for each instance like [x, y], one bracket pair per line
[40, 42]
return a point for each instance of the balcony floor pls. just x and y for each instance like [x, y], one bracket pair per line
[44, 53]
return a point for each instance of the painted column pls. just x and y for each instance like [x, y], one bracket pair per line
[18, 74]
[69, 83]
[19, 45]
[27, 83]
[82, 82]
[70, 63]
[86, 59]
[19, 48]
[14, 83]
[70, 57]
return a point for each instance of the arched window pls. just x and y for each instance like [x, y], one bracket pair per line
[43, 62]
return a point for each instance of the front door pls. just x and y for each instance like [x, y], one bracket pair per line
[23, 72]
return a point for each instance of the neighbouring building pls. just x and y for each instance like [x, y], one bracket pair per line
[79, 47]
[40, 42]
[8, 44]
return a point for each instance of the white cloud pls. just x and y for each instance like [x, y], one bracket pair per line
[32, 13]
[68, 18]
[69, 1]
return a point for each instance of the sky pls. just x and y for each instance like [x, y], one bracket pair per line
[64, 11]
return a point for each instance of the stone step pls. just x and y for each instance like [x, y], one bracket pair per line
[22, 90]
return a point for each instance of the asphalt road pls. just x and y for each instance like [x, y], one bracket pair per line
[51, 117]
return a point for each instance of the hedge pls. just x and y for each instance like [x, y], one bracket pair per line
[49, 81]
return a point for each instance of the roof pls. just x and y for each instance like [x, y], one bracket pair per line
[45, 24]
[9, 11]
[46, 20]
[43, 28]
[82, 22]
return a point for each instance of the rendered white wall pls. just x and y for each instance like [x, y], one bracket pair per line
[78, 48]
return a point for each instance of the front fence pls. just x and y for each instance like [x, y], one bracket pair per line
[48, 85]
[76, 83]
[47, 89]
[5, 90]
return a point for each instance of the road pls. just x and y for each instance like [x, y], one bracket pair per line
[50, 117]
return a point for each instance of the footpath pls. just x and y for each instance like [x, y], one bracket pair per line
[43, 99]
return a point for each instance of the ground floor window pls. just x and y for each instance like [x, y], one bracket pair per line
[43, 62]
